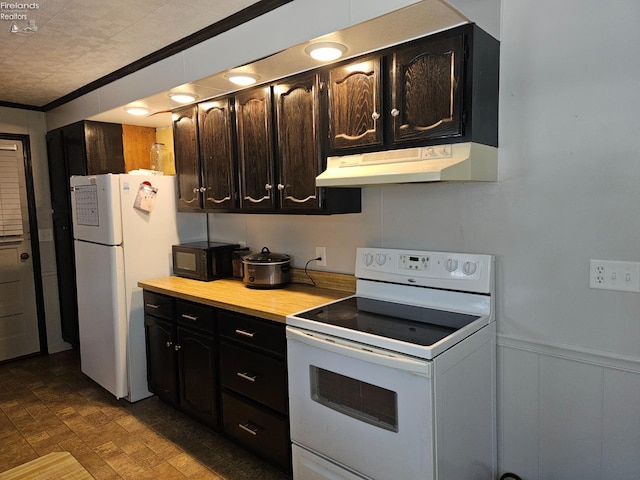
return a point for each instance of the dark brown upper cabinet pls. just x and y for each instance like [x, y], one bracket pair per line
[355, 104]
[442, 88]
[215, 133]
[256, 158]
[297, 120]
[426, 93]
[187, 155]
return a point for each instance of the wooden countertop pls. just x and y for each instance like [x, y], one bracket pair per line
[232, 294]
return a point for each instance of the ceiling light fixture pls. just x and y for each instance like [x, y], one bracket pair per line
[242, 79]
[325, 51]
[182, 97]
[137, 111]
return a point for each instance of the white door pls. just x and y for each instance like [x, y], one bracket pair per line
[102, 315]
[18, 315]
[368, 410]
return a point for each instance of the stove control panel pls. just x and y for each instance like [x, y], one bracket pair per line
[464, 271]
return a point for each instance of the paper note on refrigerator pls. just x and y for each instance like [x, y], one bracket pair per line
[146, 197]
[87, 205]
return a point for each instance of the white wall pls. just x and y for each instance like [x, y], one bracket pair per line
[274, 31]
[25, 122]
[569, 356]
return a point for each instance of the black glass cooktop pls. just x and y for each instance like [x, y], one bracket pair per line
[419, 325]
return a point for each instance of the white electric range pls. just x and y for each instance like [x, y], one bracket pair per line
[398, 380]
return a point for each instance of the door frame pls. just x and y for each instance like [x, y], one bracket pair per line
[34, 234]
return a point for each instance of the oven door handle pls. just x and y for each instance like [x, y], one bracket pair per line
[360, 352]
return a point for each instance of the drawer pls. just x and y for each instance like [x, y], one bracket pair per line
[157, 305]
[263, 334]
[196, 316]
[262, 432]
[257, 376]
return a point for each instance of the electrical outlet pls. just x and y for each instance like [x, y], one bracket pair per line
[322, 253]
[613, 275]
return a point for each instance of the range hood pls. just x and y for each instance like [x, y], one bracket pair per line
[458, 162]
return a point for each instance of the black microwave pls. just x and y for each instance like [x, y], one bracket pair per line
[203, 260]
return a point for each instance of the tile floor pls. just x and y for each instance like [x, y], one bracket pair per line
[47, 405]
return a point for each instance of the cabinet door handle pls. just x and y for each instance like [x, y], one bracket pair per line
[249, 429]
[244, 333]
[177, 347]
[196, 190]
[189, 317]
[395, 112]
[280, 186]
[247, 376]
[169, 344]
[375, 115]
[151, 305]
[268, 186]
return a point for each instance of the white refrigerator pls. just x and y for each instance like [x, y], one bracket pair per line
[124, 227]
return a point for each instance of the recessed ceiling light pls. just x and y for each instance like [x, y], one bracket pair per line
[241, 78]
[182, 97]
[138, 111]
[325, 51]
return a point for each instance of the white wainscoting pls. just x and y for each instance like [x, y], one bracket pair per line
[567, 413]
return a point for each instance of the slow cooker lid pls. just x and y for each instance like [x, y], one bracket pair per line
[266, 256]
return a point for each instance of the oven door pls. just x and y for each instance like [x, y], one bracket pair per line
[367, 409]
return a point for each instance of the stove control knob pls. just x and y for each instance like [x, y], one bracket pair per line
[368, 259]
[469, 268]
[451, 264]
[381, 258]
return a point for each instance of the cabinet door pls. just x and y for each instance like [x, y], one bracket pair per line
[255, 149]
[355, 103]
[299, 161]
[216, 154]
[187, 155]
[103, 146]
[197, 373]
[162, 373]
[426, 90]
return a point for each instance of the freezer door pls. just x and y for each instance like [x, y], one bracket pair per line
[102, 315]
[95, 205]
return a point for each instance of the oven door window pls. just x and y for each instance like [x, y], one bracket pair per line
[365, 402]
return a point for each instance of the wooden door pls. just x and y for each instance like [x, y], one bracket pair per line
[103, 146]
[299, 161]
[254, 128]
[162, 371]
[216, 154]
[355, 105]
[426, 89]
[197, 372]
[19, 332]
[187, 156]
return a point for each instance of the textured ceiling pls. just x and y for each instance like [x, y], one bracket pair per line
[80, 41]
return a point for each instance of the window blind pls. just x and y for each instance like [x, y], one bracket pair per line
[10, 208]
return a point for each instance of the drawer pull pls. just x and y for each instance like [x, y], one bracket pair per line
[249, 429]
[151, 305]
[247, 376]
[244, 333]
[189, 317]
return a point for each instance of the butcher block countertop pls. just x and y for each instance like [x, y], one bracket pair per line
[271, 304]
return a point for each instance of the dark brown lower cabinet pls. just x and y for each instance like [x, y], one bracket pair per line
[197, 373]
[257, 429]
[162, 371]
[227, 370]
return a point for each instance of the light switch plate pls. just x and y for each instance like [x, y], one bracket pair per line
[614, 275]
